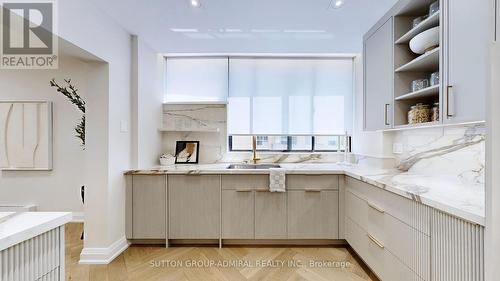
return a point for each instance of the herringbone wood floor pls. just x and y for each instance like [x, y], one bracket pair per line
[135, 263]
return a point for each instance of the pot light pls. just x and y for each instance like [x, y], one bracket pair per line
[336, 4]
[195, 3]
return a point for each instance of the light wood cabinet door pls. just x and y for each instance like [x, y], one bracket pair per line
[270, 215]
[378, 78]
[467, 62]
[313, 214]
[148, 207]
[194, 206]
[238, 214]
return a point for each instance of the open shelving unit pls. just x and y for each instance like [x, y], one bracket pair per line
[424, 93]
[409, 66]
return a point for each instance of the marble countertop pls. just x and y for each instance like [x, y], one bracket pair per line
[448, 193]
[18, 227]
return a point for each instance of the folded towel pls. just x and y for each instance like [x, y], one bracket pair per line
[277, 180]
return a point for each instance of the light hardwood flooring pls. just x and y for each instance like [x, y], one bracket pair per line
[156, 263]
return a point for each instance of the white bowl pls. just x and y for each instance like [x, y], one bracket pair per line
[425, 40]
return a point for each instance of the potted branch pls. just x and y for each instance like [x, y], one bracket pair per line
[71, 93]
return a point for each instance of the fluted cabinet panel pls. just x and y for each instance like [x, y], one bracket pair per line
[38, 258]
[457, 249]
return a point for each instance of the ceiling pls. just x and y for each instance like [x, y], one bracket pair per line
[248, 26]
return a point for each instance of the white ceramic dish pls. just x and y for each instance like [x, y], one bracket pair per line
[425, 40]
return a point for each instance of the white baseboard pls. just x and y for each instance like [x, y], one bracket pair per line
[78, 217]
[103, 255]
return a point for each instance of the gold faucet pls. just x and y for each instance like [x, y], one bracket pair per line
[254, 150]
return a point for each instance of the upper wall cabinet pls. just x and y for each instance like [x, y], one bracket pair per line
[378, 79]
[438, 55]
[467, 38]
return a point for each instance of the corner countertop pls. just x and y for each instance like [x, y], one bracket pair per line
[448, 193]
[18, 227]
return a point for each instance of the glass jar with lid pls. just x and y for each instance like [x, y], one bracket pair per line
[419, 113]
[435, 112]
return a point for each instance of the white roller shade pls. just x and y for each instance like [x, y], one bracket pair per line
[196, 79]
[290, 96]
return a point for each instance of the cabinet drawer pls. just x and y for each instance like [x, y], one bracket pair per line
[408, 211]
[409, 245]
[237, 214]
[313, 215]
[374, 253]
[312, 182]
[245, 182]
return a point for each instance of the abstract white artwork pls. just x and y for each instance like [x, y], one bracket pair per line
[25, 135]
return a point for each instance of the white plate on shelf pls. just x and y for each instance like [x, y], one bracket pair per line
[425, 41]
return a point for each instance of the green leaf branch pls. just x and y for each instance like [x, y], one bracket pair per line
[71, 93]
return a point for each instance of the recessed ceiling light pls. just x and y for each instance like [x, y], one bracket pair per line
[195, 3]
[336, 4]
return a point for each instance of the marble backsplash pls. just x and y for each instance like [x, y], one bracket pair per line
[207, 123]
[446, 150]
[458, 151]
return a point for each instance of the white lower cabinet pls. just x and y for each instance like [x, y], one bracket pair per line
[401, 239]
[409, 245]
[194, 206]
[238, 214]
[382, 262]
[270, 215]
[313, 214]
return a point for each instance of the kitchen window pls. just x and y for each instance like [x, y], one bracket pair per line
[291, 103]
[243, 143]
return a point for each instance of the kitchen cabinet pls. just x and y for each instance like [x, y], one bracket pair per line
[270, 215]
[313, 214]
[238, 214]
[417, 241]
[194, 206]
[146, 207]
[467, 40]
[378, 78]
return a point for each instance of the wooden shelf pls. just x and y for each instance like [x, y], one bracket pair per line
[426, 62]
[431, 21]
[189, 131]
[424, 93]
[413, 126]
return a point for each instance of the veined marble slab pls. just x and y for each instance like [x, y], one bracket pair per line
[449, 193]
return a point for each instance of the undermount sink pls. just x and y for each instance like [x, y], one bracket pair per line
[252, 166]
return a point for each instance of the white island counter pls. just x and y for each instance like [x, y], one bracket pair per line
[32, 245]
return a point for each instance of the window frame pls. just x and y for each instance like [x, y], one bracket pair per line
[289, 144]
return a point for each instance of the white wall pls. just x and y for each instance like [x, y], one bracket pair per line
[492, 235]
[147, 98]
[64, 181]
[109, 148]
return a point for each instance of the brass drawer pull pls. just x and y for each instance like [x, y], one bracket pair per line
[375, 207]
[244, 190]
[375, 241]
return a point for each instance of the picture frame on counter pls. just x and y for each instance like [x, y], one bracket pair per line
[187, 152]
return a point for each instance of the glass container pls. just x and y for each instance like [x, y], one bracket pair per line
[419, 84]
[435, 112]
[435, 79]
[419, 113]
